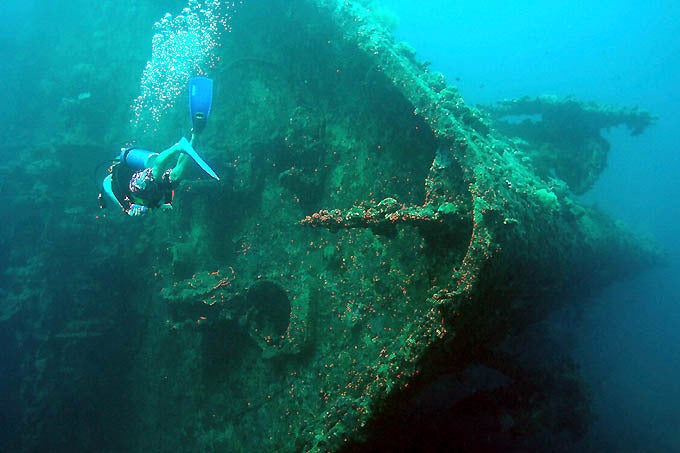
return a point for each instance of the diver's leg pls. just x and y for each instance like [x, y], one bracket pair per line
[177, 172]
[165, 160]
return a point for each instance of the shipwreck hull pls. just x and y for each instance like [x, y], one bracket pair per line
[424, 238]
[371, 234]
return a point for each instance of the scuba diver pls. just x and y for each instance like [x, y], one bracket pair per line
[141, 180]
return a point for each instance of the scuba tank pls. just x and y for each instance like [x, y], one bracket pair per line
[137, 158]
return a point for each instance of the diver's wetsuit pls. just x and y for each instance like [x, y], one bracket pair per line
[132, 186]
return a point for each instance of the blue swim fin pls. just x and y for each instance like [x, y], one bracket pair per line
[200, 100]
[191, 152]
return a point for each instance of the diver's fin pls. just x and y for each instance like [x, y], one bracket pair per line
[187, 148]
[200, 100]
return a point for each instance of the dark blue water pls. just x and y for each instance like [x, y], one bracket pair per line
[623, 53]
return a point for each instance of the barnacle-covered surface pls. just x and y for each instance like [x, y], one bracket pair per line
[373, 241]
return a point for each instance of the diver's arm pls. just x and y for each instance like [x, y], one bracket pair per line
[108, 192]
[133, 210]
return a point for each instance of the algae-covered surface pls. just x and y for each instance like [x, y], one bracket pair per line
[374, 244]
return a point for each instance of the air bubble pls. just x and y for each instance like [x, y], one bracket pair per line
[182, 46]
